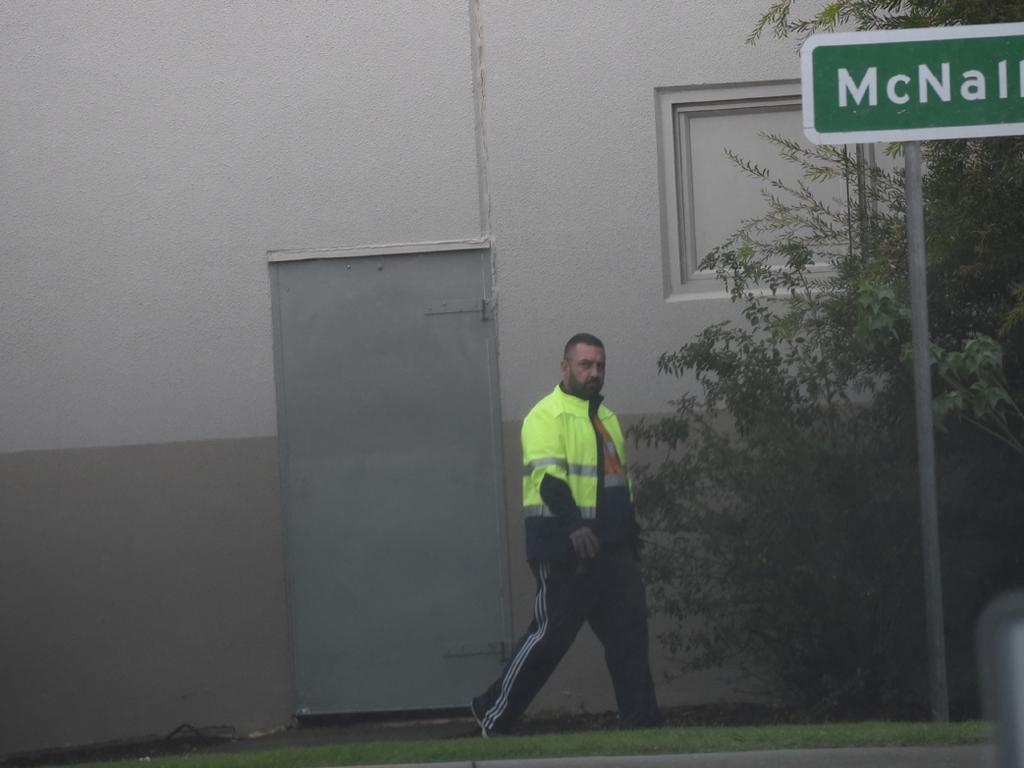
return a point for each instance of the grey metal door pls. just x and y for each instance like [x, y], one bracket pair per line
[390, 468]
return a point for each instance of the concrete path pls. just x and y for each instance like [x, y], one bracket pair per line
[981, 756]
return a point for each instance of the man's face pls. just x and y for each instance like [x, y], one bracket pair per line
[583, 371]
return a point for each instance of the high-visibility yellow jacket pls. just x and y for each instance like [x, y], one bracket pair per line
[561, 442]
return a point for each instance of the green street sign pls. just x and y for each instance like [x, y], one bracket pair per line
[914, 84]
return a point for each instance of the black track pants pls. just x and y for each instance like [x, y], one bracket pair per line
[608, 593]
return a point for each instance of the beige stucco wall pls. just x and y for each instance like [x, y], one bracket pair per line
[153, 153]
[574, 177]
[141, 587]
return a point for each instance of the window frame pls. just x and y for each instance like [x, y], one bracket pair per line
[676, 107]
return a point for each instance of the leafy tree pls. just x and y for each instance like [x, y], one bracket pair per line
[975, 220]
[885, 14]
[779, 524]
[784, 529]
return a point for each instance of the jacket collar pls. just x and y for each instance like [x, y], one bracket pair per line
[578, 403]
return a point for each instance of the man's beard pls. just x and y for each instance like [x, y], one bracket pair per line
[587, 390]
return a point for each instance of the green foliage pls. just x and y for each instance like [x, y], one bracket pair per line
[1013, 323]
[975, 190]
[884, 14]
[783, 522]
[974, 187]
[779, 520]
[974, 388]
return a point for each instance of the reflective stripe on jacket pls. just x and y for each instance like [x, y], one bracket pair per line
[560, 440]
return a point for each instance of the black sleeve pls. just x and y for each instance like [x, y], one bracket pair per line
[556, 494]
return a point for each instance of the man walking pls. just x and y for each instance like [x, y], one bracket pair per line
[581, 539]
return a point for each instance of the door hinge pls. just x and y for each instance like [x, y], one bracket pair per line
[493, 648]
[456, 306]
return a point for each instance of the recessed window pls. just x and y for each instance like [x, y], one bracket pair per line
[705, 196]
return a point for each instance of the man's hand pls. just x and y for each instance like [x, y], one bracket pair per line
[585, 543]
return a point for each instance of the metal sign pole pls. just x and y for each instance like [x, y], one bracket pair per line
[938, 695]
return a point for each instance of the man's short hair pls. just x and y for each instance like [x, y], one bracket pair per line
[581, 338]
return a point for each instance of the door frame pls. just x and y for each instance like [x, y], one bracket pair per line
[277, 260]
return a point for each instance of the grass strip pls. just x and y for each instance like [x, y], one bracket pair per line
[611, 743]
